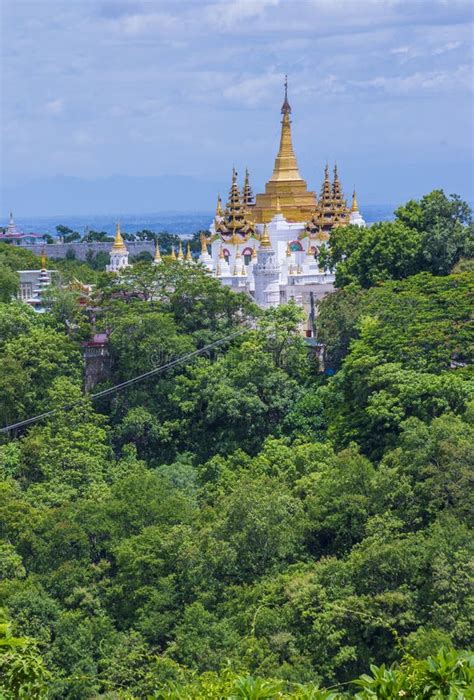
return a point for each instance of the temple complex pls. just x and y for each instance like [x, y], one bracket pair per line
[269, 245]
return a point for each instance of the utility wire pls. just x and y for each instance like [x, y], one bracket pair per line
[129, 382]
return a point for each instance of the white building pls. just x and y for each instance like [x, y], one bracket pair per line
[118, 253]
[269, 247]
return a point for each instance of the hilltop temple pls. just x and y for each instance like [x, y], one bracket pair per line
[268, 245]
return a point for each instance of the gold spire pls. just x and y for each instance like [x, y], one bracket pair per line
[355, 207]
[254, 252]
[265, 241]
[173, 254]
[286, 167]
[189, 257]
[43, 260]
[118, 240]
[180, 251]
[219, 206]
[218, 270]
[296, 202]
[288, 250]
[204, 250]
[309, 252]
[157, 258]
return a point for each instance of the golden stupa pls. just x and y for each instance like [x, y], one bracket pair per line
[285, 191]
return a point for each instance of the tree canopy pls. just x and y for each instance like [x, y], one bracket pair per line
[243, 524]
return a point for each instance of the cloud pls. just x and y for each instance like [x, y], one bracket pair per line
[227, 13]
[255, 91]
[428, 81]
[450, 46]
[53, 107]
[409, 53]
[153, 22]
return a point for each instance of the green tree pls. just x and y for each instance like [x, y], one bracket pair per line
[22, 670]
[9, 284]
[446, 226]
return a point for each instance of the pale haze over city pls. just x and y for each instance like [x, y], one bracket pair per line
[151, 104]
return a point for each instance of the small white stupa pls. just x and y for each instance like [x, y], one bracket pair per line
[118, 253]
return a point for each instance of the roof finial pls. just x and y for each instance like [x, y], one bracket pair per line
[219, 206]
[157, 258]
[355, 206]
[285, 108]
[43, 260]
[265, 241]
[189, 257]
[118, 240]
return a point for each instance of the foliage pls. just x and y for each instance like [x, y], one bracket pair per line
[9, 284]
[241, 525]
[430, 235]
[22, 670]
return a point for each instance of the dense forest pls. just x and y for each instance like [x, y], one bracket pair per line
[247, 523]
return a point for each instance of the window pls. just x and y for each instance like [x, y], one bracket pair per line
[247, 253]
[295, 246]
[26, 290]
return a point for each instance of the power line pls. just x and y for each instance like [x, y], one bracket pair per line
[127, 383]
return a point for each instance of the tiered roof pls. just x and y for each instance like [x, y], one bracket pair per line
[247, 194]
[331, 210]
[234, 223]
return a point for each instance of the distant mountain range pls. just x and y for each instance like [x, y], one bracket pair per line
[117, 193]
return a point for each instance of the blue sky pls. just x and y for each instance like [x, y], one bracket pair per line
[98, 88]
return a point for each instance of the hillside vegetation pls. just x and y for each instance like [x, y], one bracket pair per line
[245, 525]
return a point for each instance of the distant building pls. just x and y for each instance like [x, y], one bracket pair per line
[269, 246]
[15, 237]
[33, 285]
[118, 253]
[97, 360]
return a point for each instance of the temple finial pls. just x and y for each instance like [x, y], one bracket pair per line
[219, 206]
[285, 108]
[157, 258]
[204, 250]
[189, 257]
[173, 253]
[43, 260]
[355, 206]
[118, 240]
[180, 251]
[265, 241]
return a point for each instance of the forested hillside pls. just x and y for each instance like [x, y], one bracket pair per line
[245, 524]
